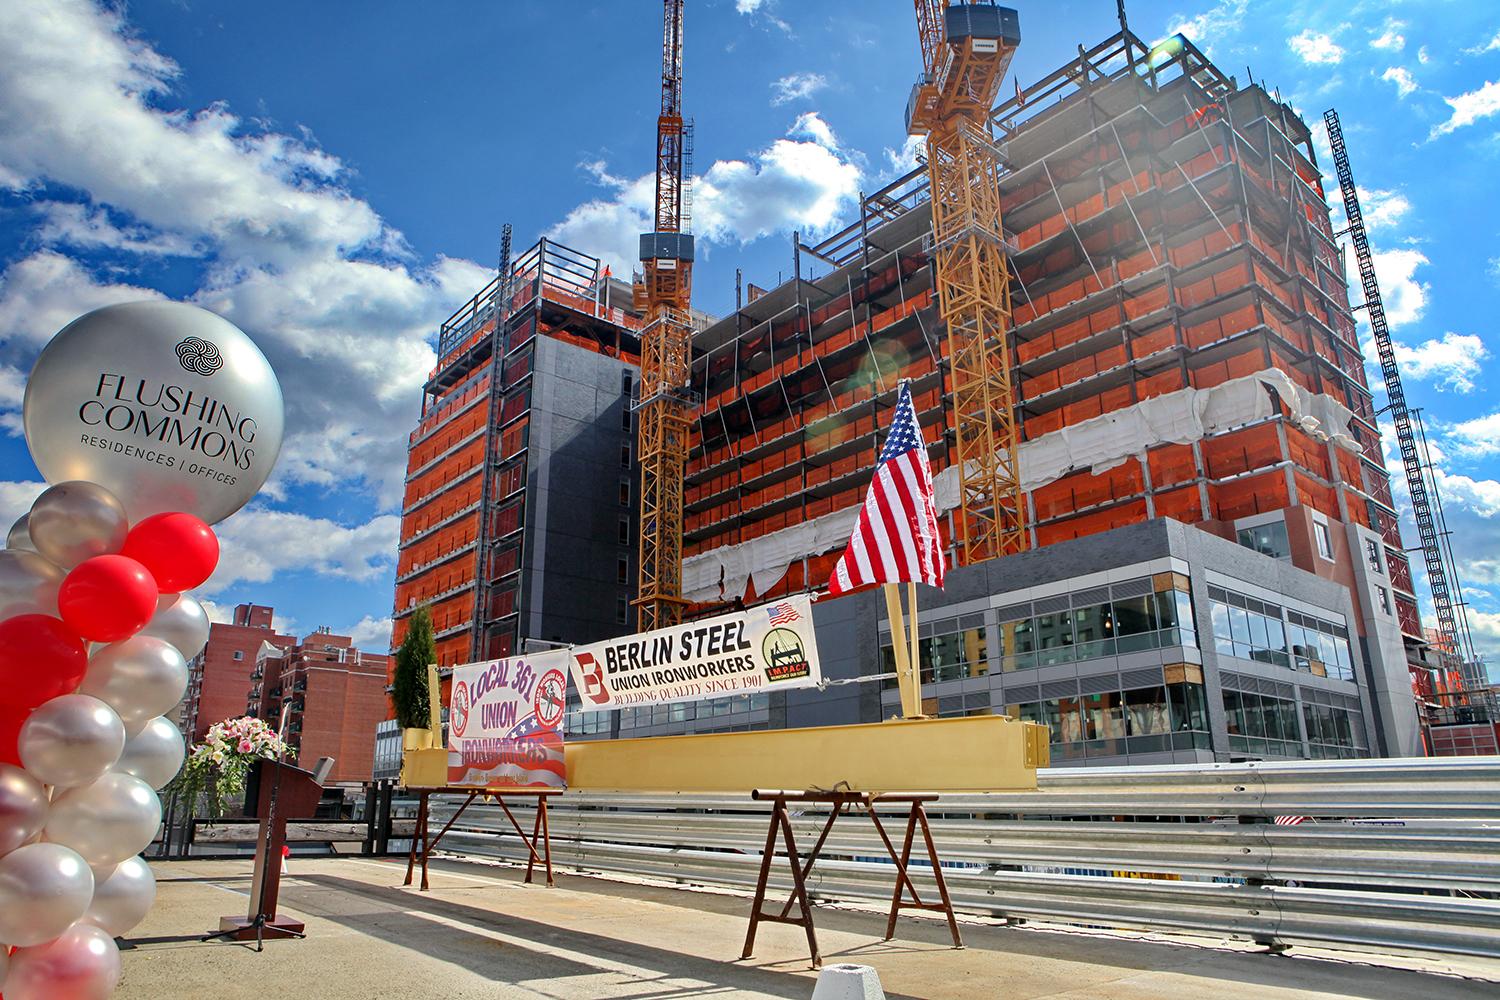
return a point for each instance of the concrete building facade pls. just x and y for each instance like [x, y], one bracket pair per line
[219, 675]
[332, 696]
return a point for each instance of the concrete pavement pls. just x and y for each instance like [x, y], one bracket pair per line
[479, 932]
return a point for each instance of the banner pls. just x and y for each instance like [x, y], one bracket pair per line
[504, 722]
[765, 648]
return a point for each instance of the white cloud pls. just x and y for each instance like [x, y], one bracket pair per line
[256, 544]
[1381, 208]
[1493, 271]
[16, 499]
[801, 182]
[1476, 438]
[1391, 38]
[798, 85]
[1206, 28]
[1452, 361]
[1401, 294]
[1469, 108]
[372, 635]
[763, 8]
[1401, 76]
[313, 274]
[1316, 49]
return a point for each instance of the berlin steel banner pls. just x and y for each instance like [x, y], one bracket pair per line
[764, 648]
[504, 722]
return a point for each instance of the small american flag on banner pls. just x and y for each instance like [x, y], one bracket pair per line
[896, 539]
[1288, 820]
[782, 614]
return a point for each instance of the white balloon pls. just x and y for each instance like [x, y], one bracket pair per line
[122, 898]
[82, 964]
[71, 740]
[28, 584]
[106, 821]
[168, 406]
[75, 521]
[44, 888]
[19, 537]
[154, 754]
[140, 678]
[23, 811]
[181, 621]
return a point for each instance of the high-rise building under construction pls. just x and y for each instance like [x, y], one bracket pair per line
[1181, 349]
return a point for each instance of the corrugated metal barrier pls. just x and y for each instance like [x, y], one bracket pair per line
[1391, 853]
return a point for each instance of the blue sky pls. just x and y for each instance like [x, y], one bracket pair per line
[333, 179]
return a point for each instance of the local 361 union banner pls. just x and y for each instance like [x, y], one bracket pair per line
[765, 648]
[504, 722]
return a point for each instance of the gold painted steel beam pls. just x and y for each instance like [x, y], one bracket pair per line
[977, 753]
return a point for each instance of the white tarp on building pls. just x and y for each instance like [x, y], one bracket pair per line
[1098, 444]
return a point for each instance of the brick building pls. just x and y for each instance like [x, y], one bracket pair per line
[334, 697]
[219, 675]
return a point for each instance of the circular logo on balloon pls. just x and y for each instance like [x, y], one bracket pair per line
[551, 697]
[119, 398]
[199, 356]
[458, 711]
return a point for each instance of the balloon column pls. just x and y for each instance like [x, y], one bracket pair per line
[151, 421]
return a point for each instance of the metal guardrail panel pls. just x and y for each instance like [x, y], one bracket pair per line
[1438, 840]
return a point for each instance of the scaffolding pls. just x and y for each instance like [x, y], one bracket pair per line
[466, 501]
[1172, 246]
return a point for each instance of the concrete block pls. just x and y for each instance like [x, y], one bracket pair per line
[848, 982]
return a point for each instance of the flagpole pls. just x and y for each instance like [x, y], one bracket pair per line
[900, 648]
[916, 660]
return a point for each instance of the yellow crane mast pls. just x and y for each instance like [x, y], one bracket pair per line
[966, 48]
[664, 294]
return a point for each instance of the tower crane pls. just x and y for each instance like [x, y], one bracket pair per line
[663, 293]
[966, 48]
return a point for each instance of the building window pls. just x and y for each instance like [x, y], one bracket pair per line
[622, 570]
[1144, 720]
[1261, 724]
[1384, 598]
[624, 493]
[624, 530]
[1267, 539]
[625, 455]
[625, 383]
[625, 417]
[622, 610]
[1325, 544]
[1372, 555]
[1139, 617]
[1249, 629]
[239, 654]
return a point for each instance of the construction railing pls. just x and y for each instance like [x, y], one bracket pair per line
[1391, 853]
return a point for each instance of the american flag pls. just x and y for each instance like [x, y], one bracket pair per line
[1288, 820]
[781, 614]
[896, 539]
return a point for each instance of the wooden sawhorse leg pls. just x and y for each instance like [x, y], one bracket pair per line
[917, 816]
[418, 836]
[781, 821]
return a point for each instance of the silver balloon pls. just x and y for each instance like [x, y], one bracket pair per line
[82, 964]
[122, 898]
[140, 678]
[181, 621]
[154, 755]
[74, 521]
[19, 537]
[168, 406]
[28, 584]
[106, 821]
[23, 810]
[70, 740]
[44, 888]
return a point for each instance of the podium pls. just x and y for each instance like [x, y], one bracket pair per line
[274, 793]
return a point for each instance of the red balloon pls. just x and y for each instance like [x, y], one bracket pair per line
[178, 549]
[40, 658]
[11, 720]
[107, 598]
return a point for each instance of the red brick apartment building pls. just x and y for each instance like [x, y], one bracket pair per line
[219, 675]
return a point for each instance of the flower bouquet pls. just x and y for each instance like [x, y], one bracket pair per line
[216, 768]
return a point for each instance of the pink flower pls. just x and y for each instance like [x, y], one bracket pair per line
[245, 746]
